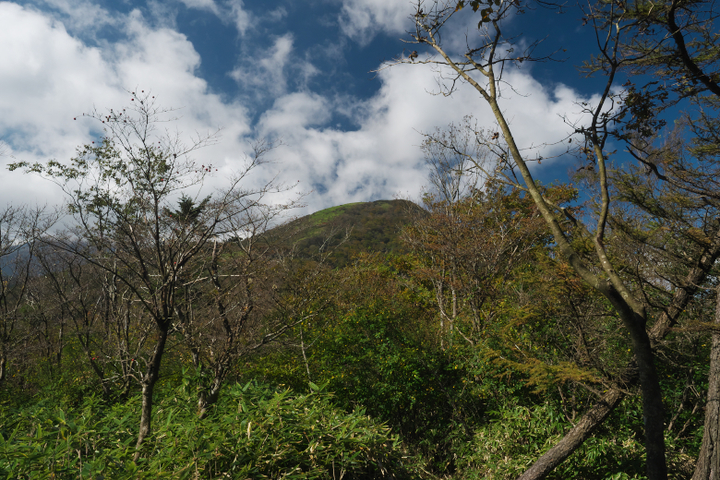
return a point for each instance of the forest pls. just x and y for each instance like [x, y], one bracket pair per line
[502, 328]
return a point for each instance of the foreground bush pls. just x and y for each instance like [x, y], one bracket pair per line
[517, 435]
[254, 432]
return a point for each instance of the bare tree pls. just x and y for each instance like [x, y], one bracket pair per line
[92, 310]
[228, 294]
[452, 156]
[19, 231]
[120, 193]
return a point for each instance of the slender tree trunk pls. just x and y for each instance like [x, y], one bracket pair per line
[441, 305]
[3, 360]
[61, 340]
[209, 397]
[708, 463]
[148, 388]
[653, 413]
[575, 437]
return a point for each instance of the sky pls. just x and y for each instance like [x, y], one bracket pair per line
[310, 75]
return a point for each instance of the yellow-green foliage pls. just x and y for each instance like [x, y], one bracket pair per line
[254, 432]
[518, 435]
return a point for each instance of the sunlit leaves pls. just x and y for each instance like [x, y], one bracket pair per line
[254, 432]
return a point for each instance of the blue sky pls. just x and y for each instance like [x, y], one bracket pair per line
[299, 72]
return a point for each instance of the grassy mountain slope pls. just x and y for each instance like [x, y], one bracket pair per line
[368, 226]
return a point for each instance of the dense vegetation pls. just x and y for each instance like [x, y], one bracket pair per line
[503, 329]
[370, 382]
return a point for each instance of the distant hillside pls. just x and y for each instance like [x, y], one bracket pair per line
[372, 227]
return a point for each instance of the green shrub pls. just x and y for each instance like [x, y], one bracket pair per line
[381, 358]
[517, 435]
[254, 432]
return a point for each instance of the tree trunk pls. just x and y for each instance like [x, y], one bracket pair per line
[575, 437]
[148, 388]
[209, 397]
[708, 463]
[653, 408]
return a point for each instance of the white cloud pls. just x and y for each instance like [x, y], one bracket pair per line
[81, 16]
[363, 19]
[296, 111]
[266, 72]
[278, 14]
[239, 15]
[234, 12]
[382, 159]
[538, 113]
[50, 76]
[379, 160]
[45, 80]
[275, 62]
[201, 5]
[151, 54]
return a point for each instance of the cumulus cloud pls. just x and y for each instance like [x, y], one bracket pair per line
[267, 72]
[45, 78]
[268, 69]
[382, 158]
[296, 111]
[201, 5]
[83, 17]
[50, 76]
[239, 15]
[363, 19]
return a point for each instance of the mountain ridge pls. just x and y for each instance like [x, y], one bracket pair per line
[349, 229]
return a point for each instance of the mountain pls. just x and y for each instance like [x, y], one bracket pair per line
[369, 227]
